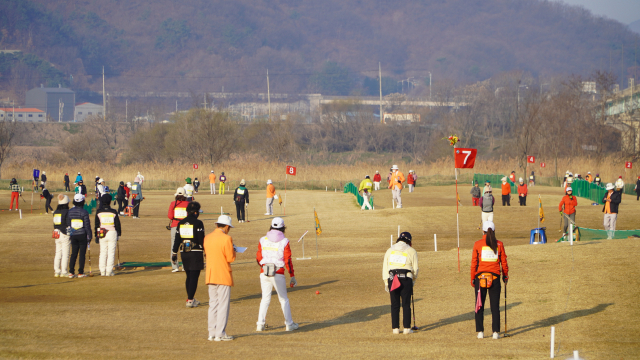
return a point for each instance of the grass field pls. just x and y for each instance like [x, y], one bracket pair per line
[140, 314]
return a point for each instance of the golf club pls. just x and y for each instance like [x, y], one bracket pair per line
[505, 311]
[89, 249]
[246, 209]
[119, 266]
[413, 306]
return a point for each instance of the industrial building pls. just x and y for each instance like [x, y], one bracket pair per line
[57, 103]
[22, 115]
[87, 109]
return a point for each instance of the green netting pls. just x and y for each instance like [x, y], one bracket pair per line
[585, 234]
[591, 191]
[350, 188]
[146, 264]
[496, 181]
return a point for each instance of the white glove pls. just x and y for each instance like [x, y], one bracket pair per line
[293, 282]
[386, 286]
[275, 196]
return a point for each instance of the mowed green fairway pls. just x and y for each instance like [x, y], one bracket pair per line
[141, 313]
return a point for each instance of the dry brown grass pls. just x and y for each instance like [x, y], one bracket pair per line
[141, 314]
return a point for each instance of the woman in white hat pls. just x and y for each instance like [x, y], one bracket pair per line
[190, 241]
[177, 212]
[274, 255]
[241, 198]
[61, 260]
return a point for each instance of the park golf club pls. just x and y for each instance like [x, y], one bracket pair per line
[89, 249]
[413, 307]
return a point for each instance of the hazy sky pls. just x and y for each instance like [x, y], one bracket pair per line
[625, 11]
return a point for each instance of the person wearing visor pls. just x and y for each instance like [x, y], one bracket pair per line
[567, 209]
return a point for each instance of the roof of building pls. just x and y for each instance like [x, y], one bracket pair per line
[54, 90]
[88, 103]
[34, 110]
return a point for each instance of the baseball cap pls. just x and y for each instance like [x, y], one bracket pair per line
[180, 191]
[78, 197]
[488, 225]
[569, 188]
[277, 223]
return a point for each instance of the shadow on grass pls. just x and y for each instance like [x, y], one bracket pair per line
[554, 320]
[26, 286]
[462, 317]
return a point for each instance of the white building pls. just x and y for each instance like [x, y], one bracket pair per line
[86, 109]
[22, 115]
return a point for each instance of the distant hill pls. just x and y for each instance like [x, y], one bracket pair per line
[635, 26]
[327, 46]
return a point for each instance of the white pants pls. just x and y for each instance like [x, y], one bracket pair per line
[365, 203]
[610, 224]
[267, 283]
[411, 188]
[212, 186]
[219, 299]
[396, 197]
[108, 252]
[487, 217]
[376, 185]
[61, 261]
[270, 206]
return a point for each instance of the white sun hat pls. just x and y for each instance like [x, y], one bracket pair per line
[394, 167]
[609, 186]
[269, 182]
[224, 220]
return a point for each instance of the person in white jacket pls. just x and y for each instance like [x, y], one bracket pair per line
[274, 255]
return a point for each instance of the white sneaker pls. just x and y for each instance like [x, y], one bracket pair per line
[396, 331]
[195, 303]
[267, 214]
[407, 331]
[224, 338]
[480, 335]
[189, 303]
[121, 213]
[211, 338]
[292, 327]
[56, 275]
[261, 327]
[496, 335]
[175, 270]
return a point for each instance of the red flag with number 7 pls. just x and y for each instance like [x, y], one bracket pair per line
[465, 158]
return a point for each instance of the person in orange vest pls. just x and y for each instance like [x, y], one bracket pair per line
[512, 177]
[506, 192]
[589, 178]
[212, 182]
[220, 253]
[611, 202]
[569, 203]
[395, 184]
[271, 194]
[487, 256]
[522, 193]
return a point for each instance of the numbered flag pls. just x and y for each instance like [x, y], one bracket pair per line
[531, 159]
[318, 228]
[465, 158]
[628, 165]
[543, 165]
[195, 166]
[291, 170]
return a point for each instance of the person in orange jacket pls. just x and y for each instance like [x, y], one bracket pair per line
[506, 192]
[589, 178]
[395, 184]
[486, 258]
[212, 182]
[569, 203]
[522, 192]
[220, 253]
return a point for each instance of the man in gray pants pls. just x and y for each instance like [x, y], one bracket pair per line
[611, 201]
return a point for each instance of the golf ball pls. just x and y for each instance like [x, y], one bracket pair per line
[317, 292]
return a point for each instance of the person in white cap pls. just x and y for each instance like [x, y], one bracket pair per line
[619, 183]
[271, 194]
[487, 258]
[220, 253]
[100, 192]
[107, 232]
[376, 180]
[274, 255]
[611, 201]
[365, 187]
[80, 224]
[411, 180]
[61, 260]
[395, 184]
[136, 195]
[177, 212]
[522, 192]
[212, 182]
[189, 241]
[567, 209]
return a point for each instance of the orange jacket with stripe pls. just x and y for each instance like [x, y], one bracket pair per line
[569, 204]
[396, 180]
[218, 248]
[271, 191]
[483, 259]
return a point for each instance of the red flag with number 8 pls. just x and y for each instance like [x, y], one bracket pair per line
[291, 170]
[465, 158]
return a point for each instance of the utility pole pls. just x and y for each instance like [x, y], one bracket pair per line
[429, 85]
[269, 95]
[126, 110]
[176, 107]
[380, 82]
[104, 97]
[205, 101]
[60, 109]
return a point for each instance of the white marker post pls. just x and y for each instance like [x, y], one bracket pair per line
[326, 188]
[391, 240]
[393, 204]
[302, 238]
[221, 213]
[20, 211]
[435, 242]
[398, 230]
[570, 233]
[575, 352]
[553, 339]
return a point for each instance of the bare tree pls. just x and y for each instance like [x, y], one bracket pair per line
[7, 133]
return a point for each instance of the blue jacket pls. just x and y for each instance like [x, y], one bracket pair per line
[79, 213]
[78, 178]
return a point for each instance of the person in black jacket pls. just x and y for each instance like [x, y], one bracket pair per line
[121, 195]
[107, 219]
[637, 189]
[190, 236]
[241, 198]
[66, 182]
[43, 179]
[81, 189]
[611, 200]
[196, 184]
[48, 197]
[61, 260]
[80, 224]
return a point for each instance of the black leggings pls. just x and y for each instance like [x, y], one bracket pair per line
[120, 205]
[506, 200]
[78, 246]
[240, 210]
[66, 187]
[494, 298]
[523, 200]
[136, 206]
[404, 291]
[192, 283]
[47, 205]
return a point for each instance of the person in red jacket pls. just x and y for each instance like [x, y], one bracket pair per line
[522, 192]
[411, 180]
[486, 258]
[512, 177]
[569, 202]
[273, 256]
[376, 180]
[177, 211]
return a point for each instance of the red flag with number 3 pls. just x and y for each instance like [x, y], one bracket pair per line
[465, 158]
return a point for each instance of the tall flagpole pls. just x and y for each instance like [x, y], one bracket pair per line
[457, 218]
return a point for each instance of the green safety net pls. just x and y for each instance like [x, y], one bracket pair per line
[591, 191]
[350, 188]
[585, 234]
[496, 182]
[93, 204]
